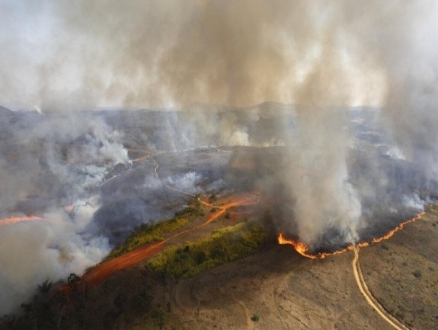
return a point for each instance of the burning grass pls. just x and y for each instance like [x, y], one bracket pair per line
[13, 220]
[402, 274]
[303, 249]
[224, 245]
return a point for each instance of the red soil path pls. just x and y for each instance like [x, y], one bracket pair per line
[104, 270]
[129, 259]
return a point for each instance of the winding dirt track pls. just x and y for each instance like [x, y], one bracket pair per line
[369, 297]
[129, 259]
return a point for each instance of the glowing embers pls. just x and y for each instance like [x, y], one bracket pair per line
[303, 249]
[12, 220]
[137, 155]
[69, 208]
[140, 158]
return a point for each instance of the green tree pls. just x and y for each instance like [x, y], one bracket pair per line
[160, 318]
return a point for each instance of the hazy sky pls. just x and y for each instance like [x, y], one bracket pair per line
[73, 54]
[105, 53]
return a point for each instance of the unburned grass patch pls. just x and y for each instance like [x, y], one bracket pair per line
[224, 245]
[194, 209]
[147, 233]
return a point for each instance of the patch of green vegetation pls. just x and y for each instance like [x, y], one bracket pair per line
[226, 244]
[160, 318]
[147, 233]
[194, 209]
[431, 208]
[255, 317]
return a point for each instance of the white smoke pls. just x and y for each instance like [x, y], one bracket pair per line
[75, 159]
[52, 249]
[238, 138]
[186, 182]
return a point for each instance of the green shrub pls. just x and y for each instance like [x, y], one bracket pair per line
[227, 244]
[147, 233]
[160, 317]
[194, 209]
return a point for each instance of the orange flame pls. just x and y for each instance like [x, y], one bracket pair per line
[11, 220]
[303, 249]
[140, 158]
[399, 227]
[69, 208]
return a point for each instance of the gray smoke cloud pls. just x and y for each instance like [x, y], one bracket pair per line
[204, 56]
[174, 54]
[51, 249]
[59, 161]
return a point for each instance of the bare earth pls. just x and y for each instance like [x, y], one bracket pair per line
[402, 273]
[286, 290]
[289, 291]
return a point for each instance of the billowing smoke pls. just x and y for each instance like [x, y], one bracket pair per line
[187, 55]
[194, 183]
[50, 249]
[209, 57]
[53, 172]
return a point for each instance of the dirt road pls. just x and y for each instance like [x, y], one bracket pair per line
[129, 259]
[369, 297]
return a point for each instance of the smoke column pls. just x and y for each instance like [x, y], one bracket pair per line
[202, 55]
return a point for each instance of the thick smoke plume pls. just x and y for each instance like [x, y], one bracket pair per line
[204, 56]
[177, 54]
[60, 161]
